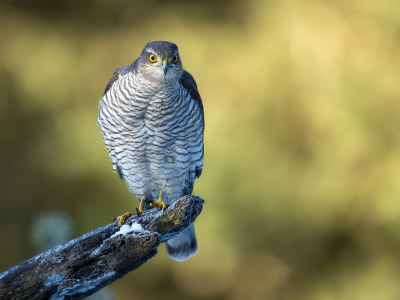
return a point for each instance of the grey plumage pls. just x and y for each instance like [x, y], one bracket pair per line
[152, 120]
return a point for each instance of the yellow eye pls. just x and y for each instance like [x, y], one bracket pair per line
[153, 58]
[175, 59]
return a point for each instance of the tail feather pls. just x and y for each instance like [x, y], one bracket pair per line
[182, 246]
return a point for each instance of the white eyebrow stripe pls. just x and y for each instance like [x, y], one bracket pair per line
[150, 50]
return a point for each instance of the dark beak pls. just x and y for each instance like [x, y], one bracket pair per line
[165, 67]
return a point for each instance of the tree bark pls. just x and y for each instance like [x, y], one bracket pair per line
[82, 266]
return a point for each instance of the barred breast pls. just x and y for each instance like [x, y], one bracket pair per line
[154, 135]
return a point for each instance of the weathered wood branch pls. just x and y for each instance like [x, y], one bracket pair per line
[82, 266]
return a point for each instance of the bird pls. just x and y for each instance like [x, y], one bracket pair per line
[152, 121]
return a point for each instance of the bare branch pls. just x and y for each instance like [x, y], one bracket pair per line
[81, 267]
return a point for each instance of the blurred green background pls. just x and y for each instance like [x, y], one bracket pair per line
[302, 145]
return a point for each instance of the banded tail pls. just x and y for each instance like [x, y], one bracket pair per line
[182, 246]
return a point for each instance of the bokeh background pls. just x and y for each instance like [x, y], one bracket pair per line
[302, 143]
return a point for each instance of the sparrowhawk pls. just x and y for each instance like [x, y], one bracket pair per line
[152, 120]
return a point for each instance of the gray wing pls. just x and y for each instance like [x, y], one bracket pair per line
[188, 82]
[121, 72]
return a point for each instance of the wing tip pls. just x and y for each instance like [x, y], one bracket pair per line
[120, 172]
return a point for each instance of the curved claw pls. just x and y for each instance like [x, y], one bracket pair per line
[122, 218]
[159, 202]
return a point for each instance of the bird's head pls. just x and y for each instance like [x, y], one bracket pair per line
[160, 62]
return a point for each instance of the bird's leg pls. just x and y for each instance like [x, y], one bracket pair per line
[159, 202]
[125, 215]
[141, 206]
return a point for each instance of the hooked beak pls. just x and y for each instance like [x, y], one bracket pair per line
[165, 66]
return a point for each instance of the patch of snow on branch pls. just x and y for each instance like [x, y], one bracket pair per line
[126, 229]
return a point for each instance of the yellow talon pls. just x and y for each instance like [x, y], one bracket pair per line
[122, 218]
[159, 202]
[125, 215]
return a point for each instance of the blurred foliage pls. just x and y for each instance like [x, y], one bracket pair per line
[49, 229]
[302, 162]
